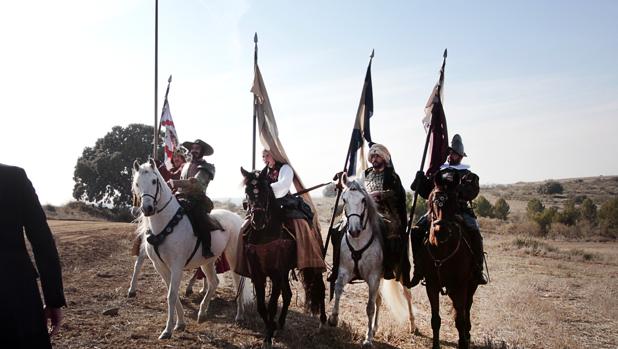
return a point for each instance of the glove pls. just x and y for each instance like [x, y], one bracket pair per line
[420, 178]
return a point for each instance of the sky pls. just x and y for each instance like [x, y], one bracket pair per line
[531, 86]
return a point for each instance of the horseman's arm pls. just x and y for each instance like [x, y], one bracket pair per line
[282, 186]
[422, 185]
[43, 245]
[469, 187]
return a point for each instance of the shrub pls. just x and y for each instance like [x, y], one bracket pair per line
[483, 207]
[569, 214]
[608, 218]
[534, 207]
[550, 188]
[544, 219]
[49, 208]
[501, 209]
[589, 211]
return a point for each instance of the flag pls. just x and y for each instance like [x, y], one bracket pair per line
[435, 123]
[361, 132]
[171, 137]
[269, 135]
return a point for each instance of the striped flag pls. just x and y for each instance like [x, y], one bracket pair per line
[356, 153]
[435, 123]
[171, 137]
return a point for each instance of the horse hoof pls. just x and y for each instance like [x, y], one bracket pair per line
[165, 335]
[132, 294]
[239, 318]
[267, 344]
[201, 317]
[415, 331]
[188, 292]
[436, 346]
[333, 320]
[367, 344]
[180, 327]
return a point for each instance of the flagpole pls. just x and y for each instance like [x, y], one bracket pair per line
[413, 208]
[167, 91]
[155, 140]
[339, 190]
[255, 56]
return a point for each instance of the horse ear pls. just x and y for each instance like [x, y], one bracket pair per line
[152, 163]
[263, 175]
[135, 166]
[345, 179]
[244, 172]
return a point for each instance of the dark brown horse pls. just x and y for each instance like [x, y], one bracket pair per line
[270, 252]
[448, 257]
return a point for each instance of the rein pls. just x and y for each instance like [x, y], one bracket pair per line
[439, 262]
[358, 254]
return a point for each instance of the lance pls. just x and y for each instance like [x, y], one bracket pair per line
[439, 95]
[339, 189]
[310, 189]
[155, 140]
[165, 106]
[255, 100]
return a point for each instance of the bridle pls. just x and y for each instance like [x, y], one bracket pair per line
[155, 200]
[360, 216]
[253, 209]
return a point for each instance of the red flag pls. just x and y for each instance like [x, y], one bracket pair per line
[171, 137]
[435, 123]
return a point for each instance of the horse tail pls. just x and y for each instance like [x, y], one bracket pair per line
[315, 290]
[392, 293]
[242, 285]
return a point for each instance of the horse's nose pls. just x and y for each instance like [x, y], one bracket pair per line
[148, 210]
[354, 232]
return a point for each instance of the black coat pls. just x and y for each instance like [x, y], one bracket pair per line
[21, 310]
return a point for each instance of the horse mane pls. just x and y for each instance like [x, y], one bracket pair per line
[372, 209]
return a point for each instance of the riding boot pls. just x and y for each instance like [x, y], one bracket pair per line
[336, 237]
[203, 225]
[404, 265]
[479, 257]
[416, 236]
[389, 255]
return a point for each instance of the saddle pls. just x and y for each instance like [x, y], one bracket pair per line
[201, 220]
[294, 207]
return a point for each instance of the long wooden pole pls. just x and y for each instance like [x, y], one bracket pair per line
[155, 139]
[255, 101]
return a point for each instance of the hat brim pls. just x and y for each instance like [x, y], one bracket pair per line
[205, 147]
[455, 151]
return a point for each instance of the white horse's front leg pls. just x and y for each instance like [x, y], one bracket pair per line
[136, 270]
[239, 283]
[408, 294]
[378, 305]
[374, 285]
[213, 282]
[342, 279]
[173, 304]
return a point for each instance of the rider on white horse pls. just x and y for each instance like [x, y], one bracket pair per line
[191, 188]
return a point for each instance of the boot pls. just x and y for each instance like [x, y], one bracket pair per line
[416, 235]
[479, 256]
[404, 265]
[336, 237]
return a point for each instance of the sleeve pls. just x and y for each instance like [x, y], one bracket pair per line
[43, 245]
[282, 186]
[422, 185]
[469, 187]
[203, 178]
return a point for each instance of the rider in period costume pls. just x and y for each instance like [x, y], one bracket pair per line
[178, 161]
[308, 240]
[468, 189]
[191, 189]
[384, 185]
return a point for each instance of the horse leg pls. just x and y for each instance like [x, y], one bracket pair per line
[342, 279]
[260, 294]
[374, 285]
[271, 326]
[213, 281]
[172, 279]
[434, 301]
[459, 298]
[239, 283]
[378, 305]
[286, 293]
[189, 290]
[136, 270]
[407, 293]
[471, 291]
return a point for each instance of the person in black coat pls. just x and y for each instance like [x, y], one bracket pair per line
[23, 317]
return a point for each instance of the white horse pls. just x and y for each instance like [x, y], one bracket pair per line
[179, 249]
[363, 238]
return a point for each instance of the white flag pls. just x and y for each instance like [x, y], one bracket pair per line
[171, 137]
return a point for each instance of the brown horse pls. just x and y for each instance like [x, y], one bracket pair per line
[448, 257]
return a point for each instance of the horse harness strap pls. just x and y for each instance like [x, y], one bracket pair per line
[358, 254]
[157, 240]
[439, 262]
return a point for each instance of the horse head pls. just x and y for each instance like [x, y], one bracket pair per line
[357, 206]
[443, 206]
[260, 198]
[146, 187]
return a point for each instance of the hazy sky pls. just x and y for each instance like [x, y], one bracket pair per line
[531, 86]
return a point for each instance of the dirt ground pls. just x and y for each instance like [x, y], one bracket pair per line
[555, 300]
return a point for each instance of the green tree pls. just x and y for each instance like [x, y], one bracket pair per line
[545, 218]
[569, 214]
[608, 217]
[421, 205]
[501, 209]
[483, 207]
[550, 187]
[534, 207]
[589, 211]
[103, 173]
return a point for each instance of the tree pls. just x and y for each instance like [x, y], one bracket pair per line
[550, 187]
[608, 217]
[569, 214]
[501, 209]
[103, 173]
[483, 207]
[421, 205]
[589, 211]
[534, 206]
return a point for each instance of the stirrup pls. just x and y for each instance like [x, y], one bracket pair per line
[416, 279]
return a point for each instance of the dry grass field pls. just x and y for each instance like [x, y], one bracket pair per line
[543, 294]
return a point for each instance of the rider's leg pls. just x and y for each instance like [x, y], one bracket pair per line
[417, 233]
[476, 243]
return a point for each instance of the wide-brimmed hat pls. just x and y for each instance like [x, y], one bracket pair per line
[206, 149]
[457, 146]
